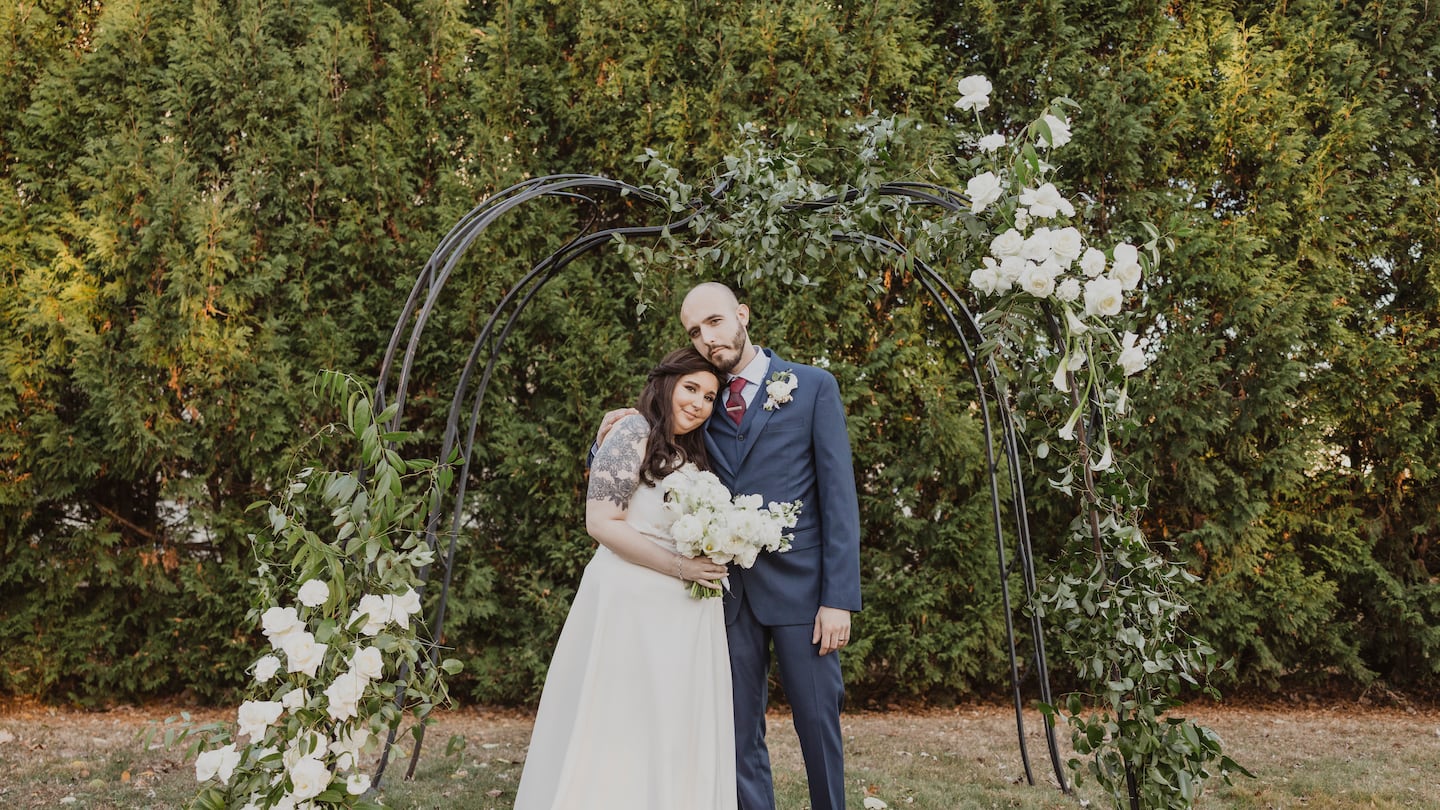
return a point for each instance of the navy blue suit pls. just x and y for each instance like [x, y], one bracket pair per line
[798, 451]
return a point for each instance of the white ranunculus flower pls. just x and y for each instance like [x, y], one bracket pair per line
[344, 695]
[217, 762]
[278, 622]
[357, 783]
[992, 142]
[1103, 296]
[303, 653]
[982, 190]
[1022, 218]
[1092, 262]
[1007, 244]
[314, 593]
[257, 715]
[1059, 131]
[1039, 245]
[1038, 281]
[1046, 201]
[309, 777]
[368, 663]
[687, 530]
[1066, 245]
[1132, 356]
[295, 699]
[974, 93]
[266, 668]
[1068, 290]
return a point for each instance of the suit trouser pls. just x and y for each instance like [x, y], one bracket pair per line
[814, 688]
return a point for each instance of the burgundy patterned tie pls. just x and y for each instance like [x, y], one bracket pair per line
[735, 403]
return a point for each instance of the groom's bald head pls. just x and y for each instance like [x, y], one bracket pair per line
[717, 325]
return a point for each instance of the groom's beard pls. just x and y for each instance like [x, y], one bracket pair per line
[726, 357]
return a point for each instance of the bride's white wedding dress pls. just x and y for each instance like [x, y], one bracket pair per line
[636, 712]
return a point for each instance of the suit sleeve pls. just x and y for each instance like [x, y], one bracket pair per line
[839, 508]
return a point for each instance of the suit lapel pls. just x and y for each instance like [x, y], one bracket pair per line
[756, 416]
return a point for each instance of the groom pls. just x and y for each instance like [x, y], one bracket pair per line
[786, 446]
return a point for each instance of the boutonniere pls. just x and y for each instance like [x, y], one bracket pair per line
[779, 389]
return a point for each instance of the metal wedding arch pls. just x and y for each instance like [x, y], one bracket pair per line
[1014, 549]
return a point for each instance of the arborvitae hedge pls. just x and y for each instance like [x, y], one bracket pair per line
[206, 202]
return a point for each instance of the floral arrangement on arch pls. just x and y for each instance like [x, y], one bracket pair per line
[339, 562]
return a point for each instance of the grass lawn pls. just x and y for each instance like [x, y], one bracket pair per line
[1313, 757]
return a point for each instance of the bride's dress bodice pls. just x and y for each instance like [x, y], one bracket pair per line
[647, 514]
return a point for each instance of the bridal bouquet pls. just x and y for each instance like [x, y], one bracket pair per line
[709, 522]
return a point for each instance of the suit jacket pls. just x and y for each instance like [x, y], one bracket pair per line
[798, 451]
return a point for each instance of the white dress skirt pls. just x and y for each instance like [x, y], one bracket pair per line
[636, 712]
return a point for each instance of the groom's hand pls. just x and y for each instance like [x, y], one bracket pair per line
[832, 629]
[608, 421]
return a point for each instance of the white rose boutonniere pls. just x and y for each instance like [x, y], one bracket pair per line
[779, 389]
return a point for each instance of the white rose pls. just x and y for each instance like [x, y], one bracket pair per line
[1007, 244]
[1093, 262]
[1044, 202]
[974, 93]
[266, 668]
[1038, 281]
[309, 778]
[1068, 290]
[344, 694]
[1067, 245]
[1059, 132]
[218, 762]
[987, 280]
[408, 602]
[982, 190]
[303, 653]
[314, 593]
[992, 142]
[368, 663]
[1126, 267]
[1039, 245]
[1022, 218]
[1132, 356]
[278, 622]
[1128, 276]
[257, 715]
[1011, 268]
[376, 609]
[295, 699]
[1103, 296]
[357, 783]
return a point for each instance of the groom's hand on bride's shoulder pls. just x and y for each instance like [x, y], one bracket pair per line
[608, 422]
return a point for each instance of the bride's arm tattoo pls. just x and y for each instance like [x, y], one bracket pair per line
[616, 471]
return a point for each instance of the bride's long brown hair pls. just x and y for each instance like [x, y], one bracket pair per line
[664, 451]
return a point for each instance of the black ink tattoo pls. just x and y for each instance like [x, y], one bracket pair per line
[616, 470]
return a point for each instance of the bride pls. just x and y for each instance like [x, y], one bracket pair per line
[636, 711]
